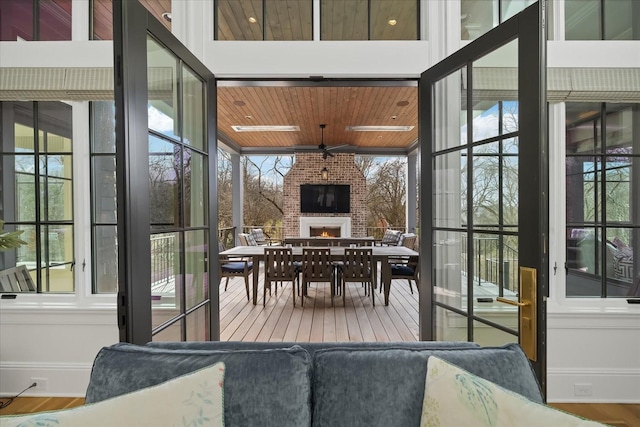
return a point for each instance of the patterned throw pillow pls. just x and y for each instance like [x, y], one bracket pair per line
[455, 397]
[194, 399]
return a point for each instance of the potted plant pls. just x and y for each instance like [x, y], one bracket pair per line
[10, 239]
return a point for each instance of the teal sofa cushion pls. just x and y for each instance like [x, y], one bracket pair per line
[385, 387]
[270, 387]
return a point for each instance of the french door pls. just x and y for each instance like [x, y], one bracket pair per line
[165, 161]
[483, 193]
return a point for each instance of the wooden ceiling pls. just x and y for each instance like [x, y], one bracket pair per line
[310, 106]
[103, 16]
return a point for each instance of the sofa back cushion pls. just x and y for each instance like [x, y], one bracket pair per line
[270, 387]
[364, 387]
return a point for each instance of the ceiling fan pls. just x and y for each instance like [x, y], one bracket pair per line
[326, 151]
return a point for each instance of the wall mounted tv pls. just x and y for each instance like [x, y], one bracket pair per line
[319, 198]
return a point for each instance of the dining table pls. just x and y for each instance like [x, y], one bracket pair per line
[379, 253]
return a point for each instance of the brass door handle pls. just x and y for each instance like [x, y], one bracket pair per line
[516, 303]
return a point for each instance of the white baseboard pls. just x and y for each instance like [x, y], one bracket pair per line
[607, 386]
[60, 380]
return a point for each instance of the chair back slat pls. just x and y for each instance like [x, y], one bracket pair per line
[357, 264]
[278, 263]
[317, 264]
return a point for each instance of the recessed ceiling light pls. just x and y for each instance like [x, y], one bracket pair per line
[252, 20]
[378, 128]
[167, 16]
[402, 103]
[265, 128]
[248, 117]
[392, 22]
[394, 117]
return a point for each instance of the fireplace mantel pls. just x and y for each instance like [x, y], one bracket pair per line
[344, 222]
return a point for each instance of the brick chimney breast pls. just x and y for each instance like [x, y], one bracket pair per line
[342, 170]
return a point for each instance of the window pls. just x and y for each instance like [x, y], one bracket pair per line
[37, 191]
[264, 20]
[369, 19]
[103, 198]
[35, 20]
[478, 17]
[602, 20]
[102, 16]
[603, 194]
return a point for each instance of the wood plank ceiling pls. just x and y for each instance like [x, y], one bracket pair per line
[308, 107]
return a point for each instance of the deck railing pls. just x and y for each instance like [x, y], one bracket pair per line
[487, 267]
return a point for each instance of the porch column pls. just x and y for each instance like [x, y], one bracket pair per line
[412, 191]
[237, 194]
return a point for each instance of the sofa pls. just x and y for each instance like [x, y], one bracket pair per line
[303, 384]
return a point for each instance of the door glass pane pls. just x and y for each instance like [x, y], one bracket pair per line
[162, 75]
[450, 269]
[450, 326]
[495, 93]
[582, 19]
[104, 189]
[103, 125]
[166, 278]
[170, 333]
[164, 183]
[583, 254]
[197, 280]
[196, 190]
[193, 109]
[24, 139]
[486, 186]
[198, 324]
[582, 135]
[510, 183]
[486, 335]
[450, 196]
[25, 196]
[450, 115]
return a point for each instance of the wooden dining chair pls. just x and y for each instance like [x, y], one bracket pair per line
[234, 267]
[357, 267]
[279, 267]
[317, 267]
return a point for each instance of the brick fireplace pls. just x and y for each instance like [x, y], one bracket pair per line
[307, 170]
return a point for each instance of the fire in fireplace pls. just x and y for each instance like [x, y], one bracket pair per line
[324, 231]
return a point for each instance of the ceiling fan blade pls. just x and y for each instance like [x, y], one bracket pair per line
[336, 147]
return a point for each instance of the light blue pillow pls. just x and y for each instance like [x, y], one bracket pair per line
[192, 399]
[455, 397]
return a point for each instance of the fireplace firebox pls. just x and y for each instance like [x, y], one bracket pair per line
[324, 232]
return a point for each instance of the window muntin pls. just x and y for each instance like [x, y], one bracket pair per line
[369, 20]
[603, 218]
[264, 20]
[35, 20]
[37, 191]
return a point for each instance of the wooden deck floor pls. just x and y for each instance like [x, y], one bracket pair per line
[240, 320]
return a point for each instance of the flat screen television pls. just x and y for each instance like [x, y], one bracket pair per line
[327, 198]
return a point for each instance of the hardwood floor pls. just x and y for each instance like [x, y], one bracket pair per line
[317, 321]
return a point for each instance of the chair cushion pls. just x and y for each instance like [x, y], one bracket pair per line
[455, 397]
[401, 270]
[235, 267]
[391, 237]
[270, 387]
[375, 374]
[251, 241]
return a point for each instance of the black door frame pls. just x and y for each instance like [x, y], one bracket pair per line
[529, 28]
[131, 24]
